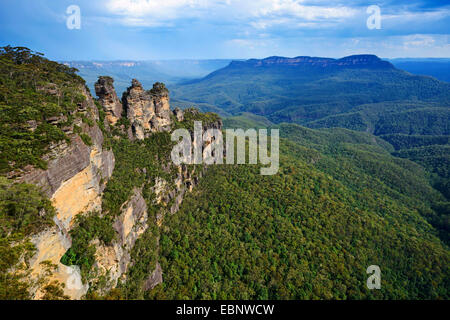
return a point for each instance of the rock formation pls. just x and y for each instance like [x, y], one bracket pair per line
[104, 89]
[147, 111]
[113, 261]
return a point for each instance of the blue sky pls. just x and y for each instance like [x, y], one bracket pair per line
[202, 29]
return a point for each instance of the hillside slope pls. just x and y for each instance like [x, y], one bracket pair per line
[339, 203]
[362, 93]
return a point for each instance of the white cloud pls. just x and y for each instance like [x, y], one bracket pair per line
[418, 40]
[418, 16]
[418, 45]
[141, 8]
[294, 8]
[257, 13]
[155, 13]
[261, 26]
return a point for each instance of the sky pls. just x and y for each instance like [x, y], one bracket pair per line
[225, 29]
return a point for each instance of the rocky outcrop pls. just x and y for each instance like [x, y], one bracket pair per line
[74, 181]
[107, 97]
[147, 111]
[154, 279]
[114, 260]
[185, 182]
[65, 160]
[179, 114]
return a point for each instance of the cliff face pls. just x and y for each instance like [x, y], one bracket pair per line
[113, 260]
[162, 193]
[66, 160]
[74, 181]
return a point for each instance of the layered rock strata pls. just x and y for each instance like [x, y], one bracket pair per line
[74, 180]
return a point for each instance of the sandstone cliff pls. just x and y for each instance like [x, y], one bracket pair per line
[112, 261]
[74, 181]
[148, 113]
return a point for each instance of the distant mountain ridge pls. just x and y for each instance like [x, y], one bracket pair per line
[363, 60]
[304, 89]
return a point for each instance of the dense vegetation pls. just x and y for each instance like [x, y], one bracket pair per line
[192, 114]
[247, 120]
[24, 211]
[410, 112]
[136, 163]
[406, 180]
[38, 99]
[436, 159]
[89, 226]
[310, 231]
